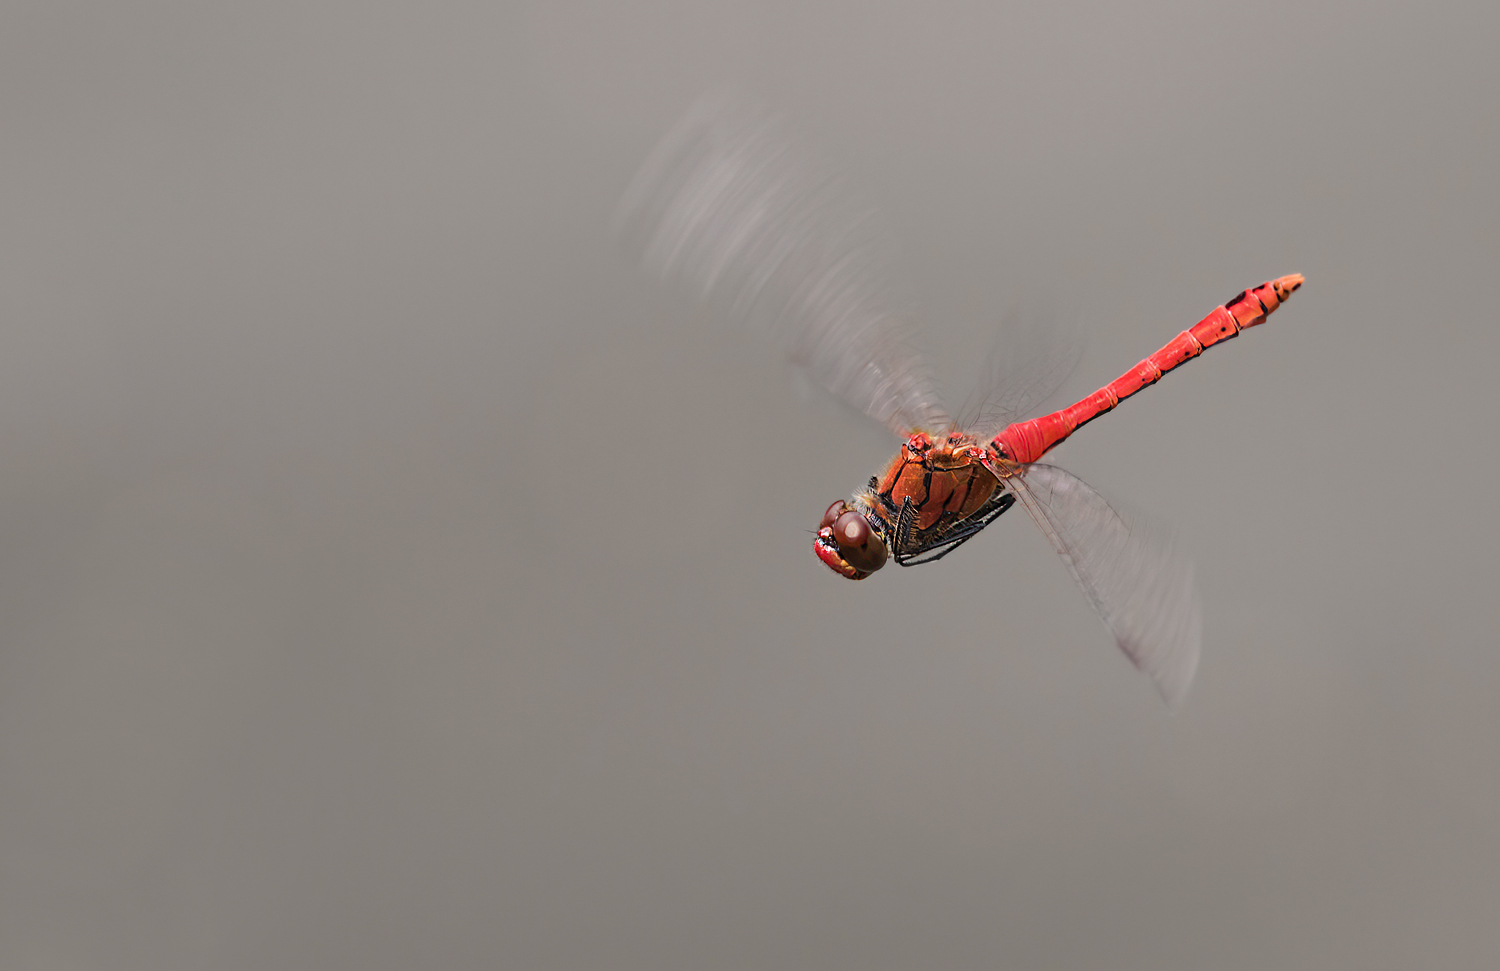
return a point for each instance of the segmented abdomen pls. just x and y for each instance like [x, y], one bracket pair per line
[1028, 441]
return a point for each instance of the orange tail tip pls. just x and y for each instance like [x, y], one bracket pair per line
[1285, 285]
[1251, 307]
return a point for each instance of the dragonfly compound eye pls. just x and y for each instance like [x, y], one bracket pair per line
[833, 512]
[860, 546]
[851, 547]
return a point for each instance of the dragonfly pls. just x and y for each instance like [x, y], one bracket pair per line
[727, 206]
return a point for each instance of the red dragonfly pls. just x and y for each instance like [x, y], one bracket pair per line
[725, 205]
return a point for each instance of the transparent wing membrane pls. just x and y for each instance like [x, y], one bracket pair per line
[1031, 355]
[726, 208]
[1141, 586]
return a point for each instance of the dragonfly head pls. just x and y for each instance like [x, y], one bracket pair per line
[847, 543]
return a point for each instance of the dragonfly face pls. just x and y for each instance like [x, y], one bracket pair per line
[848, 543]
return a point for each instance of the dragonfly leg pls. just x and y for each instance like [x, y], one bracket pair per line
[905, 518]
[958, 537]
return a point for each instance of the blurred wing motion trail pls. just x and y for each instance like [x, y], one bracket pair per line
[1138, 582]
[725, 207]
[1032, 355]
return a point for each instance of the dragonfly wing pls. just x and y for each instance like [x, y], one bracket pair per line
[725, 206]
[1032, 354]
[1142, 587]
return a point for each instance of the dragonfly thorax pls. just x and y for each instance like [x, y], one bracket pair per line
[932, 496]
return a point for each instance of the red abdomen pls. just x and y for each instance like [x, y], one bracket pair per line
[1027, 441]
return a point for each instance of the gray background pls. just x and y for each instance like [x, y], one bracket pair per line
[392, 577]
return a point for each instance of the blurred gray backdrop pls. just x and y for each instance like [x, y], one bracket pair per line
[393, 577]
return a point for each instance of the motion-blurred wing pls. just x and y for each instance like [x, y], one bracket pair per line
[1032, 354]
[724, 206]
[1140, 585]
